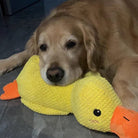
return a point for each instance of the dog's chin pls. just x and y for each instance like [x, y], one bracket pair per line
[63, 82]
[56, 84]
[60, 83]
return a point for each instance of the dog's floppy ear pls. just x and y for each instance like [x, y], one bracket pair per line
[90, 44]
[93, 47]
[31, 44]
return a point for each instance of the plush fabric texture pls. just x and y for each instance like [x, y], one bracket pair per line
[81, 98]
[94, 93]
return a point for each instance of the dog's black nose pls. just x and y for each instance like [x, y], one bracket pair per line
[55, 74]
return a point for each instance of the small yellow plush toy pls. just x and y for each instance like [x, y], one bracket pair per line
[91, 99]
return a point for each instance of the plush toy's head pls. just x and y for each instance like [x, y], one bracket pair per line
[94, 101]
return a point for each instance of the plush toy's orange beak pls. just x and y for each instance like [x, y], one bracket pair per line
[124, 123]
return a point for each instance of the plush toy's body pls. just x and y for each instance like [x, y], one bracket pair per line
[92, 100]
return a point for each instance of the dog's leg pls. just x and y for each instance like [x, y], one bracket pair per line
[13, 61]
[125, 82]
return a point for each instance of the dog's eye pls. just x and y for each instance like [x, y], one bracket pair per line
[70, 44]
[43, 47]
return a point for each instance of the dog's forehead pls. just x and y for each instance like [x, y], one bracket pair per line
[55, 33]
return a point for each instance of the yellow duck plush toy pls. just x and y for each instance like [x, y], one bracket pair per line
[91, 99]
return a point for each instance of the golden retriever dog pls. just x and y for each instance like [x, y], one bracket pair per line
[87, 35]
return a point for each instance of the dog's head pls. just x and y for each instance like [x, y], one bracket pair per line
[66, 46]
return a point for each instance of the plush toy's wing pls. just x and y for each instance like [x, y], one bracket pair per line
[10, 91]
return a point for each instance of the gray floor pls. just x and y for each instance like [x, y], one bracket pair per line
[16, 120]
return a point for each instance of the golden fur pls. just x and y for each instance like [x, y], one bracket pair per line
[106, 37]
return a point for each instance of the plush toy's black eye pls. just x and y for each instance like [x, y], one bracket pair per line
[97, 112]
[43, 47]
[70, 44]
